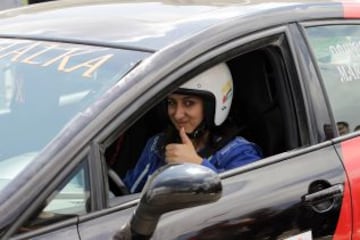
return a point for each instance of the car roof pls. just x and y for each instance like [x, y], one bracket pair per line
[147, 25]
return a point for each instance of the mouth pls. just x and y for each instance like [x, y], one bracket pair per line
[180, 125]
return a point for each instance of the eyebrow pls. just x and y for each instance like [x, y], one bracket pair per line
[185, 98]
[189, 97]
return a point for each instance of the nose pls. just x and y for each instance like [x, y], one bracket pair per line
[179, 112]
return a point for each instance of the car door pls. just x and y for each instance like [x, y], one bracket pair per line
[336, 48]
[297, 194]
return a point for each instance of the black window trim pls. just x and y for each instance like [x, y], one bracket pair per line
[311, 87]
[315, 23]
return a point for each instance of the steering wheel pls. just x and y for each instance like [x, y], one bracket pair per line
[118, 182]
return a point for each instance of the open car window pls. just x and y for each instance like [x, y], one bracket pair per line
[262, 110]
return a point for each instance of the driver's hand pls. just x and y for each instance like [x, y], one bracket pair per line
[182, 152]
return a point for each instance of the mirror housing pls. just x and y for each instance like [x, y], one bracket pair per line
[172, 187]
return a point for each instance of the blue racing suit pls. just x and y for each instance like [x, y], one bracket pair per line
[236, 153]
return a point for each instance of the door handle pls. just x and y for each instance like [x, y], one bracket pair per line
[325, 194]
[324, 199]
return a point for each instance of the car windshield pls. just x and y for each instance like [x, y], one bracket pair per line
[43, 85]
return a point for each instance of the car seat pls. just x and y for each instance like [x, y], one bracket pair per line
[255, 106]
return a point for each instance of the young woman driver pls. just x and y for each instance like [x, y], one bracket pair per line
[198, 131]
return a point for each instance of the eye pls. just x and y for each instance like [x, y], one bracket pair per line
[189, 103]
[170, 102]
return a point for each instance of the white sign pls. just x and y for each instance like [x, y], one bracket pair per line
[5, 4]
[301, 236]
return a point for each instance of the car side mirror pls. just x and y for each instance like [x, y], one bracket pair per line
[172, 187]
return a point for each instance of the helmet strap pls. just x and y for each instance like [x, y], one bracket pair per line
[198, 132]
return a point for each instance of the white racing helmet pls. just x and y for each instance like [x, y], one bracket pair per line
[215, 85]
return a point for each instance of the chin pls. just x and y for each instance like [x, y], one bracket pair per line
[186, 129]
[189, 131]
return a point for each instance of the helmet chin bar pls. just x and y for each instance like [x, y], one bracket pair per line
[198, 132]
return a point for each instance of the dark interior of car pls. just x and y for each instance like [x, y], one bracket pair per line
[255, 105]
[258, 109]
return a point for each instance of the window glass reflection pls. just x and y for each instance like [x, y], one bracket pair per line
[337, 51]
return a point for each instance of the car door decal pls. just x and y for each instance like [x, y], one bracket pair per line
[349, 151]
[344, 226]
[302, 236]
[351, 10]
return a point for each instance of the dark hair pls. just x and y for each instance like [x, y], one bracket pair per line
[343, 123]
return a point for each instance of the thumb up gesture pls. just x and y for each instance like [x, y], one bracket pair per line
[182, 152]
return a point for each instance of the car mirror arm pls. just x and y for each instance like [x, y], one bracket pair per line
[172, 187]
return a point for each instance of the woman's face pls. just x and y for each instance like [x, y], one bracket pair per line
[185, 111]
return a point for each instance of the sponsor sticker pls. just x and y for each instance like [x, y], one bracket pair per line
[226, 91]
[301, 236]
[66, 58]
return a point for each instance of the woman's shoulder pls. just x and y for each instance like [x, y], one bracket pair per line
[240, 144]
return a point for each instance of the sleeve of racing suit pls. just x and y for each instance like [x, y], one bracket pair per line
[235, 154]
[136, 177]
